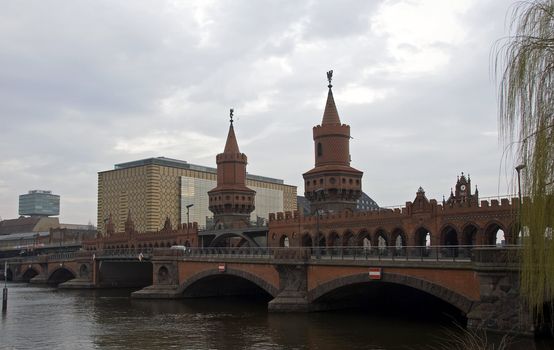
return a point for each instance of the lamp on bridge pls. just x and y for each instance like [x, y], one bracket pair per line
[188, 208]
[518, 169]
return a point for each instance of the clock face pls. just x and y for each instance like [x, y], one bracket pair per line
[463, 187]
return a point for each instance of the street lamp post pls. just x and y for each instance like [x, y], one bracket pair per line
[518, 169]
[5, 290]
[317, 213]
[188, 208]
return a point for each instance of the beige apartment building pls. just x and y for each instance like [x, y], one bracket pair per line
[155, 188]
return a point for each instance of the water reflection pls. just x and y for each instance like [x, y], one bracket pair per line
[44, 317]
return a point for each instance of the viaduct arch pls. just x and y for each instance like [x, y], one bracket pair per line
[61, 274]
[239, 273]
[453, 298]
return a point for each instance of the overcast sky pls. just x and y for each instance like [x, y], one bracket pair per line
[88, 84]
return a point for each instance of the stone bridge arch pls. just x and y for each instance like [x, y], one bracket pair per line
[470, 233]
[258, 281]
[61, 274]
[491, 229]
[28, 272]
[453, 298]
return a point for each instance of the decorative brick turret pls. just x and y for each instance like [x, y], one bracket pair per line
[231, 201]
[462, 196]
[332, 185]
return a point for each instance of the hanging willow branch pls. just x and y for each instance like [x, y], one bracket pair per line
[525, 65]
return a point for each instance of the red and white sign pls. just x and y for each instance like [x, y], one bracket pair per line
[375, 273]
[221, 268]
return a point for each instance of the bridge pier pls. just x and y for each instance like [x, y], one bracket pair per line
[501, 308]
[87, 275]
[293, 291]
[165, 280]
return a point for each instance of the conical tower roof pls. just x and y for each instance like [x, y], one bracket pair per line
[231, 145]
[330, 115]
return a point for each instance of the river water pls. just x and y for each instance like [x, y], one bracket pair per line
[40, 317]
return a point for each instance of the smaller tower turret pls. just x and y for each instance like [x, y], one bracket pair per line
[231, 201]
[462, 195]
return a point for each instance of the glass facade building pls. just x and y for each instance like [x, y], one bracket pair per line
[194, 191]
[39, 203]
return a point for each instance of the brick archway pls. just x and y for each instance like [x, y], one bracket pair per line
[451, 297]
[29, 273]
[57, 271]
[267, 287]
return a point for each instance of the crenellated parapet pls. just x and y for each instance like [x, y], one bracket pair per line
[232, 157]
[331, 130]
[409, 225]
[183, 234]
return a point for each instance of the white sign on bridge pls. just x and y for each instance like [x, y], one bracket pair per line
[375, 273]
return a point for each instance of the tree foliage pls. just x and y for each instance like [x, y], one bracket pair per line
[525, 65]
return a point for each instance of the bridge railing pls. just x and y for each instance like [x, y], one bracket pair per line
[456, 253]
[394, 253]
[124, 253]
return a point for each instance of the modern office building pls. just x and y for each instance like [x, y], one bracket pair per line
[39, 203]
[155, 188]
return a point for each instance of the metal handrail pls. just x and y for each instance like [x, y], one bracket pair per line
[440, 253]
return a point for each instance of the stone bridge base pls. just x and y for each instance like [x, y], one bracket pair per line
[158, 292]
[78, 283]
[501, 308]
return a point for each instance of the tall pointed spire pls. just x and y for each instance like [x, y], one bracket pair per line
[332, 184]
[231, 201]
[231, 145]
[330, 115]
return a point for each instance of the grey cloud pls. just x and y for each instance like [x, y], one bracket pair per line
[77, 78]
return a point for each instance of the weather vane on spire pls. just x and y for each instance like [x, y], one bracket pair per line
[231, 115]
[330, 77]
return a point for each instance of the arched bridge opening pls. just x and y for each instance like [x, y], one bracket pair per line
[125, 274]
[28, 274]
[393, 297]
[60, 275]
[236, 283]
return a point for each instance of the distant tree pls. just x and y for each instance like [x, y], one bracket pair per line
[525, 65]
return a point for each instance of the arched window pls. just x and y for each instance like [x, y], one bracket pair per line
[319, 149]
[366, 243]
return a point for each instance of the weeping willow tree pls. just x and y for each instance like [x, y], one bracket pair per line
[525, 65]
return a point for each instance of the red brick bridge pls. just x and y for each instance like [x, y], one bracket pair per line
[481, 282]
[483, 285]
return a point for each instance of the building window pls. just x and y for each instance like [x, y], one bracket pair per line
[319, 149]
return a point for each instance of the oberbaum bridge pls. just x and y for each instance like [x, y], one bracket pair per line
[310, 262]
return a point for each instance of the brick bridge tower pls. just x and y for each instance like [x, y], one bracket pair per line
[332, 185]
[231, 201]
